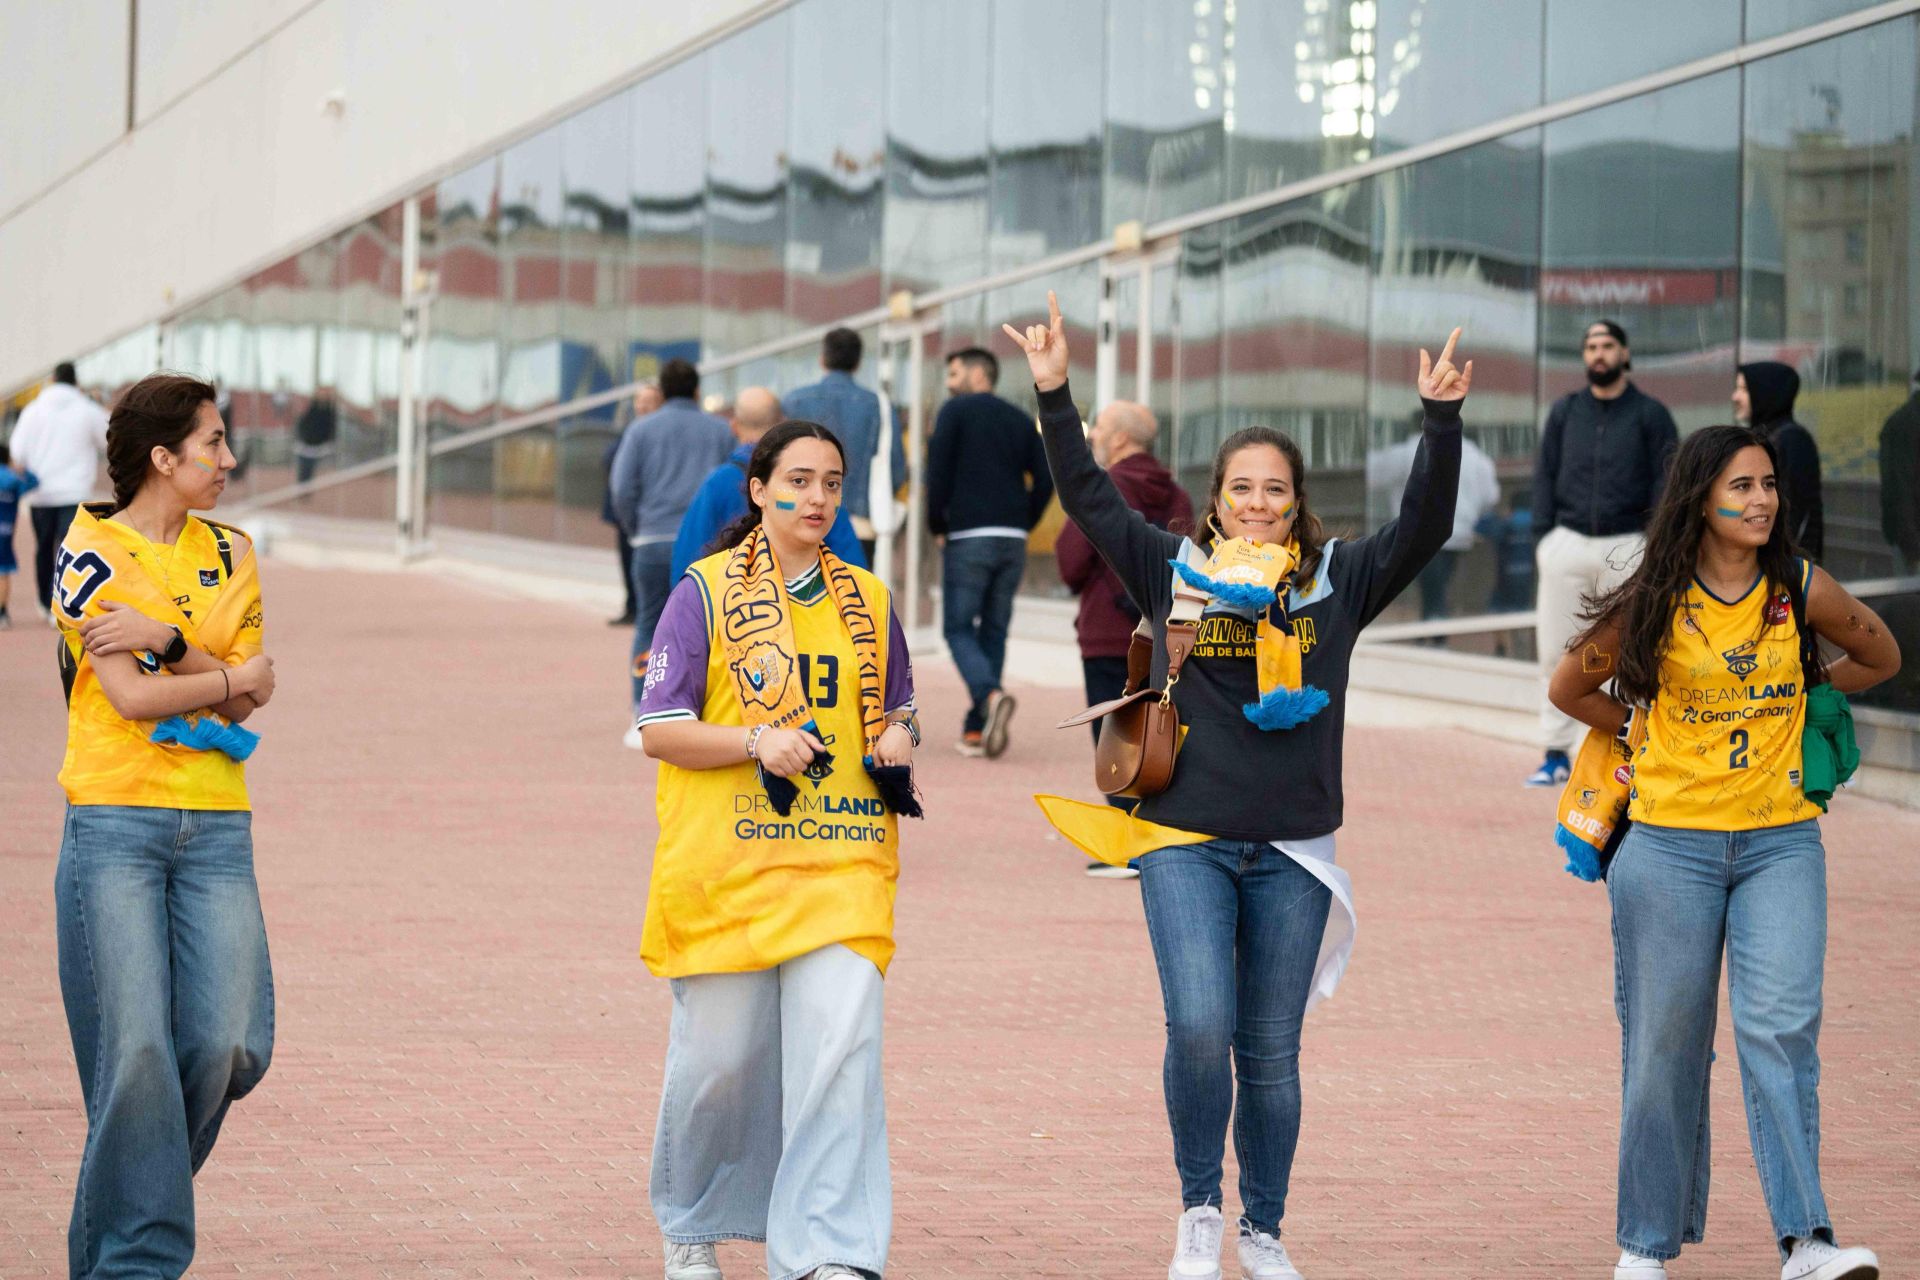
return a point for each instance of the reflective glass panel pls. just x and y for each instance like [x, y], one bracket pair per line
[938, 78]
[1456, 242]
[463, 348]
[1306, 101]
[1590, 46]
[747, 186]
[1166, 103]
[1661, 263]
[1046, 164]
[838, 144]
[1774, 17]
[1830, 278]
[669, 174]
[1425, 49]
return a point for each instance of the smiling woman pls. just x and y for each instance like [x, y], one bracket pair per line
[1731, 725]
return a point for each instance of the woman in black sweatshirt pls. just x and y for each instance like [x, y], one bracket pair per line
[1236, 854]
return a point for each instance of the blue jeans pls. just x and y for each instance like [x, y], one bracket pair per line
[652, 584]
[978, 578]
[1681, 898]
[163, 969]
[773, 1122]
[1236, 931]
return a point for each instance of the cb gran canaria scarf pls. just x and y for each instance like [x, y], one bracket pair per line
[1246, 575]
[757, 632]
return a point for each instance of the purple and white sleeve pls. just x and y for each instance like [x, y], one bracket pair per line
[899, 690]
[675, 687]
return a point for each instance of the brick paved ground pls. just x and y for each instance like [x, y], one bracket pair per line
[453, 851]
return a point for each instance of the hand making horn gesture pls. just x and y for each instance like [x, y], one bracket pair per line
[1442, 381]
[1046, 347]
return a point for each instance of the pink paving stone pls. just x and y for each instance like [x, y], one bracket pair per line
[453, 853]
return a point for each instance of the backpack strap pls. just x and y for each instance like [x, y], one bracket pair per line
[225, 546]
[1811, 670]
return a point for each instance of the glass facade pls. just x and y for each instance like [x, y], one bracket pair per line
[806, 168]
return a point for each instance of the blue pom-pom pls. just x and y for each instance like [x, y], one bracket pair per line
[1582, 859]
[1235, 595]
[1285, 708]
[207, 735]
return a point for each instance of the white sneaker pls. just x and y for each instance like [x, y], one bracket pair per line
[1634, 1267]
[1196, 1253]
[1263, 1257]
[1816, 1259]
[691, 1262]
[632, 740]
[834, 1271]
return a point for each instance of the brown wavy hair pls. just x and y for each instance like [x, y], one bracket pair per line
[1643, 606]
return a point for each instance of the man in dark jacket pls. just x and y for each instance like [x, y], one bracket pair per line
[1603, 461]
[1763, 396]
[987, 486]
[1900, 481]
[1122, 438]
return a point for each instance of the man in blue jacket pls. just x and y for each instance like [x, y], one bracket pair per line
[722, 496]
[661, 460]
[851, 412]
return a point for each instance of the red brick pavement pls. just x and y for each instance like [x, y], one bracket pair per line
[452, 849]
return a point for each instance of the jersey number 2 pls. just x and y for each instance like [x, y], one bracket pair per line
[1738, 740]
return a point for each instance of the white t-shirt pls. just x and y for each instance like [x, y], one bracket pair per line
[61, 438]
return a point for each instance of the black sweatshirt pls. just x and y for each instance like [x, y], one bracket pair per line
[1602, 463]
[1234, 780]
[984, 467]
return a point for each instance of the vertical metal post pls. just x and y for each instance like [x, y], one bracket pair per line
[1106, 358]
[885, 531]
[916, 491]
[405, 515]
[1143, 387]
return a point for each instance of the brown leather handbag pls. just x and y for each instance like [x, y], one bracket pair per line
[1141, 736]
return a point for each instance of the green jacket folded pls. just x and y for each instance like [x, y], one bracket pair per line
[1828, 752]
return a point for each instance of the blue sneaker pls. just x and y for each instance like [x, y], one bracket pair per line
[1552, 771]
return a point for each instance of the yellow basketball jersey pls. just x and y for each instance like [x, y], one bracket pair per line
[736, 887]
[1723, 736]
[111, 760]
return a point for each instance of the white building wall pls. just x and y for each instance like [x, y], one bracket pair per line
[232, 164]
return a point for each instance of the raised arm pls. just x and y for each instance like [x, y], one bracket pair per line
[1374, 569]
[1137, 551]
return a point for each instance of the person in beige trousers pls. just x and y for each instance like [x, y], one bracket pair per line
[1603, 461]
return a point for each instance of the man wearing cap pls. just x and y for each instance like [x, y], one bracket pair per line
[1603, 460]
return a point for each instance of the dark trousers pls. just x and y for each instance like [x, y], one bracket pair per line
[978, 579]
[49, 531]
[626, 570]
[652, 580]
[1106, 680]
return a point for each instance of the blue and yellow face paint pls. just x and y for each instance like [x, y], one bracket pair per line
[1731, 513]
[786, 500]
[205, 463]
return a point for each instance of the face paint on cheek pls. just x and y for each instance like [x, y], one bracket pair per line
[1729, 513]
[786, 500]
[1286, 513]
[204, 463]
[1228, 499]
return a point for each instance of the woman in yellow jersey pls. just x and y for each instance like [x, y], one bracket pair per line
[779, 701]
[1724, 853]
[163, 952]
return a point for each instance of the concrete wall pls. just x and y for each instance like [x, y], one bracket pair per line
[231, 163]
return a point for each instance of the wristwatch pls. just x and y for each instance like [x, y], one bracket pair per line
[176, 649]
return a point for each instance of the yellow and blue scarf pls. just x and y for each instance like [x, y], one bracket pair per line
[1252, 576]
[756, 631]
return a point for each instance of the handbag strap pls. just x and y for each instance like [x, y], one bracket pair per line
[1811, 670]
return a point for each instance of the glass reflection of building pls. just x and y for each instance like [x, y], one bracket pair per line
[1324, 187]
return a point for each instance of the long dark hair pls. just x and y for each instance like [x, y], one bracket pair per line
[766, 456]
[1307, 529]
[159, 410]
[1643, 605]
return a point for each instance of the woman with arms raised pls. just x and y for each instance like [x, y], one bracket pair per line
[1236, 854]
